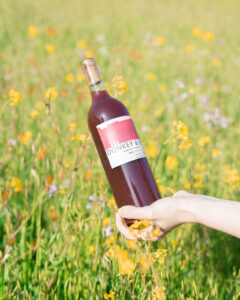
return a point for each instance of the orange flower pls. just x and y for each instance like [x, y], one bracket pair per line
[89, 175]
[42, 152]
[49, 179]
[52, 31]
[25, 137]
[53, 214]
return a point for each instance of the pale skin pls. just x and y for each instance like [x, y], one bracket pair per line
[183, 207]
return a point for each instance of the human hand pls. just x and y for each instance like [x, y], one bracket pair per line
[166, 214]
[182, 207]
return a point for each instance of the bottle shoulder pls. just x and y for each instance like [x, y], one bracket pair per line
[105, 109]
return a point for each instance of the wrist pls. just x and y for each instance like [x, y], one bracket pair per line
[186, 209]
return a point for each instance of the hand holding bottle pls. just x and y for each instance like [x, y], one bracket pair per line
[183, 207]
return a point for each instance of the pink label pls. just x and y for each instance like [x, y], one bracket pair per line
[120, 141]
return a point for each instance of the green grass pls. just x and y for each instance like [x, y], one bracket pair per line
[50, 256]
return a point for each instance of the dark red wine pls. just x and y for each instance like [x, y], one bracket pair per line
[118, 145]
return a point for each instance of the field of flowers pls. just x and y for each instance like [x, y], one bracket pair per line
[171, 63]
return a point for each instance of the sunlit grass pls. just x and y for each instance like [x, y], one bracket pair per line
[179, 61]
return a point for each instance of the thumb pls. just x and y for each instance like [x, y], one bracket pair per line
[133, 212]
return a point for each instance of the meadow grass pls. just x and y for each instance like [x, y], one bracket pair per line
[52, 235]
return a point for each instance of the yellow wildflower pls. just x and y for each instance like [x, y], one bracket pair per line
[80, 77]
[79, 137]
[131, 244]
[156, 232]
[216, 62]
[162, 88]
[203, 141]
[89, 53]
[119, 84]
[175, 243]
[144, 263]
[91, 249]
[197, 176]
[111, 202]
[208, 36]
[69, 78]
[216, 152]
[185, 144]
[51, 93]
[200, 167]
[141, 224]
[233, 176]
[216, 88]
[111, 239]
[159, 293]
[110, 295]
[150, 76]
[40, 105]
[189, 48]
[16, 183]
[151, 149]
[197, 32]
[159, 255]
[105, 222]
[81, 44]
[72, 126]
[160, 40]
[186, 184]
[161, 188]
[34, 114]
[49, 48]
[32, 31]
[25, 137]
[126, 265]
[112, 251]
[15, 97]
[180, 129]
[171, 162]
[171, 190]
[198, 184]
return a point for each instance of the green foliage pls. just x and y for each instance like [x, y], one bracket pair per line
[53, 246]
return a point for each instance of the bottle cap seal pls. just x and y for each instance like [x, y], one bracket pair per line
[90, 71]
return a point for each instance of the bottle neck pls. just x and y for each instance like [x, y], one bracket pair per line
[98, 91]
[93, 78]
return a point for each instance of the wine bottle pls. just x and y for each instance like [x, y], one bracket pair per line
[118, 145]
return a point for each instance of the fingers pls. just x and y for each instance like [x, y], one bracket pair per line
[133, 212]
[123, 228]
[143, 236]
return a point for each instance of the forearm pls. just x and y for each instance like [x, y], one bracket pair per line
[223, 215]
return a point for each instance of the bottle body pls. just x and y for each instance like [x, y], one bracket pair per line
[132, 183]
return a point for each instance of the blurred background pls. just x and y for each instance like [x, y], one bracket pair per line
[170, 62]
